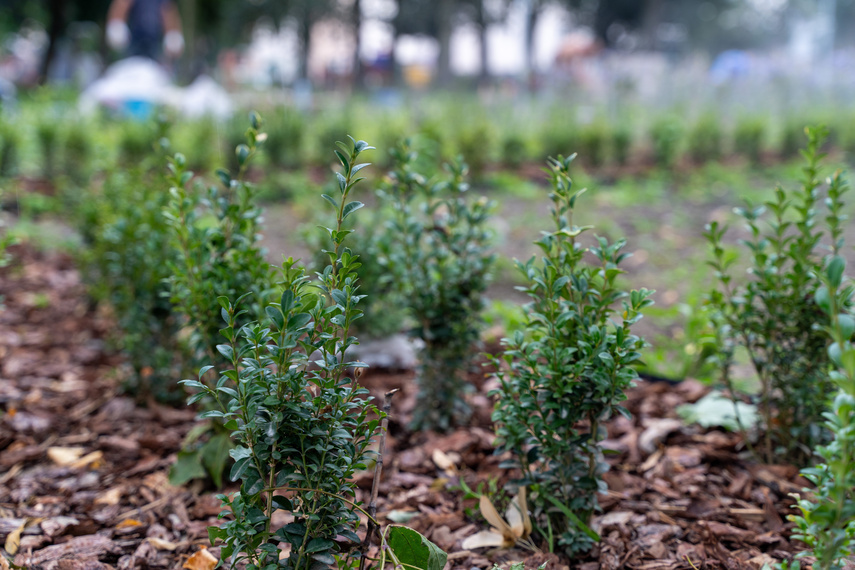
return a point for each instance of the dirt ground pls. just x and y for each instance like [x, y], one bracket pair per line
[83, 468]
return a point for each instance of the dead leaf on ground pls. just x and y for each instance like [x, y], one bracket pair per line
[162, 544]
[13, 540]
[202, 560]
[110, 497]
[64, 456]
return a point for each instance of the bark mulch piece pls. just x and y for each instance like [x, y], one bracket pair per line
[83, 467]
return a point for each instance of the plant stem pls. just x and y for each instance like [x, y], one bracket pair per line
[375, 484]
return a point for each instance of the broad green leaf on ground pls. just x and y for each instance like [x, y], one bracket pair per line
[188, 466]
[717, 410]
[414, 551]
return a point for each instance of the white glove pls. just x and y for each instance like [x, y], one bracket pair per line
[173, 43]
[118, 34]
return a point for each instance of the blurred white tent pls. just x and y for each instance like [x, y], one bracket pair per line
[135, 86]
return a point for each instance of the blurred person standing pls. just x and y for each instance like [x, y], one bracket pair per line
[142, 27]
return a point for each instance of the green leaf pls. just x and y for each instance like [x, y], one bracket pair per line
[572, 516]
[188, 466]
[716, 410]
[215, 455]
[319, 544]
[331, 200]
[227, 351]
[413, 550]
[242, 153]
[351, 207]
[835, 271]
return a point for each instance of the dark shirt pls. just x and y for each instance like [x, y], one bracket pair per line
[145, 21]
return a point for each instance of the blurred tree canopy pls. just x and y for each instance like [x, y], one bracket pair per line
[671, 25]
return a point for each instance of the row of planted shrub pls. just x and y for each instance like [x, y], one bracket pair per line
[286, 406]
[35, 141]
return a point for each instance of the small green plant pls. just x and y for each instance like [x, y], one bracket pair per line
[77, 153]
[137, 139]
[47, 134]
[384, 311]
[124, 231]
[10, 143]
[827, 520]
[566, 372]
[474, 145]
[438, 246]
[559, 137]
[301, 425]
[218, 254]
[748, 139]
[621, 144]
[285, 137]
[593, 143]
[514, 150]
[773, 315]
[666, 135]
[217, 235]
[792, 138]
[705, 140]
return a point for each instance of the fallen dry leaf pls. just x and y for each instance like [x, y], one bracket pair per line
[110, 497]
[161, 544]
[64, 456]
[127, 523]
[13, 540]
[89, 460]
[444, 461]
[202, 560]
[483, 539]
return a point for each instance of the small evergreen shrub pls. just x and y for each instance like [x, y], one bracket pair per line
[621, 144]
[705, 140]
[593, 143]
[514, 150]
[438, 245]
[77, 153]
[124, 231]
[47, 135]
[474, 144]
[10, 143]
[137, 139]
[666, 135]
[774, 315]
[826, 523]
[558, 137]
[792, 138]
[286, 130]
[566, 372]
[215, 231]
[749, 138]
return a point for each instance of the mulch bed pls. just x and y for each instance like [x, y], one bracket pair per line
[83, 468]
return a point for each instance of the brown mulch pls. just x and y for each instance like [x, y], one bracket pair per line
[83, 468]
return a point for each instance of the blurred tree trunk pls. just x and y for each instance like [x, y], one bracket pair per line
[482, 21]
[650, 23]
[304, 25]
[444, 28]
[533, 8]
[188, 24]
[55, 29]
[358, 70]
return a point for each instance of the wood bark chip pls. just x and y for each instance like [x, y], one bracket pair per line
[693, 500]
